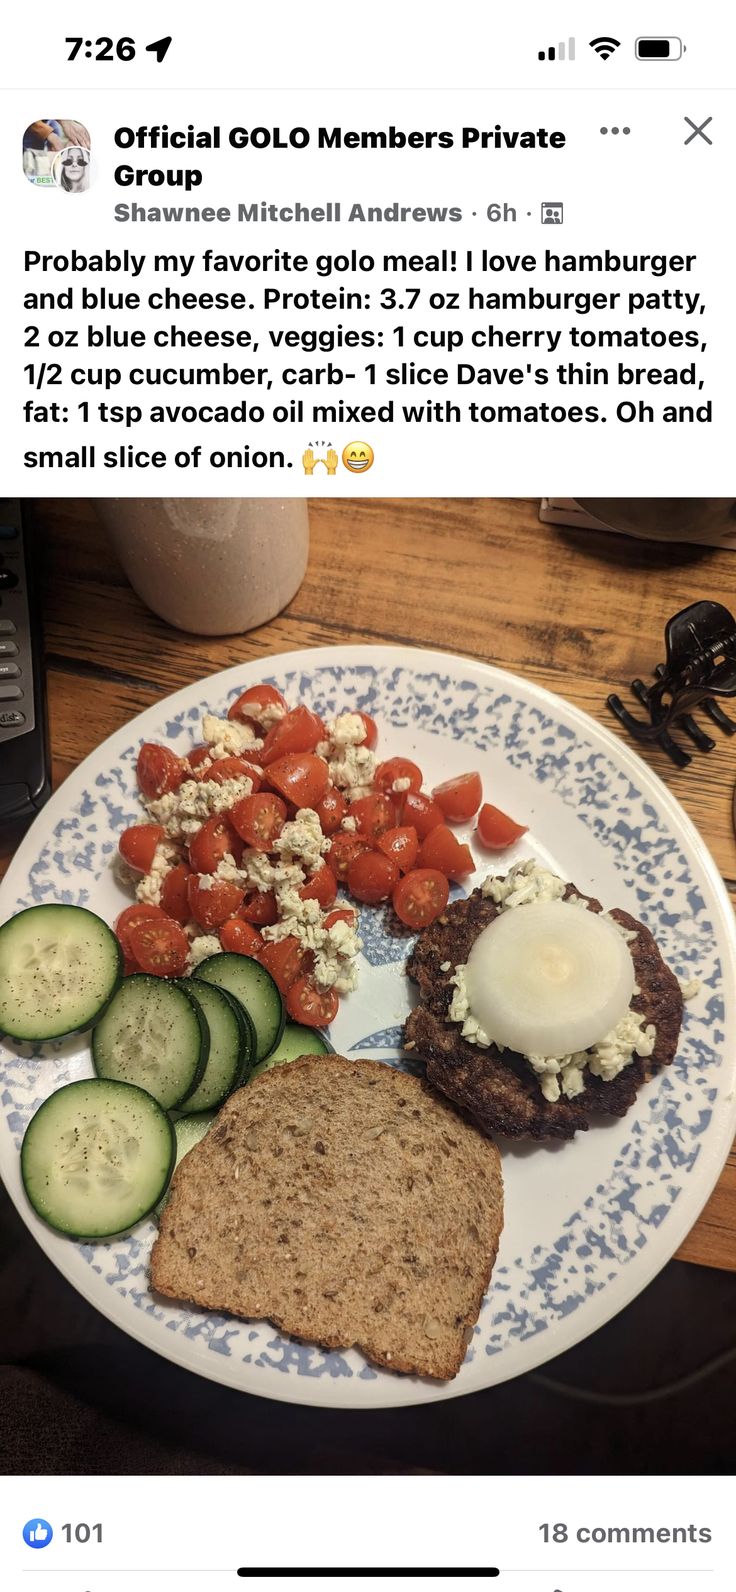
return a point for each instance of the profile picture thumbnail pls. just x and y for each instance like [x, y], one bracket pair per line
[57, 154]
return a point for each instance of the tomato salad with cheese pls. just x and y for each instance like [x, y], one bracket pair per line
[250, 835]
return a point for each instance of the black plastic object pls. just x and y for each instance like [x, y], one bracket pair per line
[701, 665]
[25, 768]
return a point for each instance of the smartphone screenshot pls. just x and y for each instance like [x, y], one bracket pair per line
[367, 795]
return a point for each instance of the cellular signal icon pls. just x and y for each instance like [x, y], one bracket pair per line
[558, 52]
[604, 47]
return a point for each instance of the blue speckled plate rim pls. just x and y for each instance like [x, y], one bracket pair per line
[631, 1280]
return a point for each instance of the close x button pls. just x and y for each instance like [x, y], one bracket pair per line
[698, 130]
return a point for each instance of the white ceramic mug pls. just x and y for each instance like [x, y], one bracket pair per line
[215, 566]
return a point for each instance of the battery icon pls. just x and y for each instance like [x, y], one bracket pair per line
[659, 49]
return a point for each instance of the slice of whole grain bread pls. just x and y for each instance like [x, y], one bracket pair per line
[344, 1201]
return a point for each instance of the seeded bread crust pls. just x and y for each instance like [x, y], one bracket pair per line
[346, 1202]
[498, 1088]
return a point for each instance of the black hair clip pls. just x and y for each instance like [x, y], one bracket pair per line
[701, 665]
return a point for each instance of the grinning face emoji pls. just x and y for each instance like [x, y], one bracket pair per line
[357, 457]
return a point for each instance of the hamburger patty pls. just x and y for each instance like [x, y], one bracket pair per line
[498, 1088]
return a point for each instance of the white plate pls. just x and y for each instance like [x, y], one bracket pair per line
[589, 1223]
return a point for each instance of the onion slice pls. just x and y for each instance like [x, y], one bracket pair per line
[549, 978]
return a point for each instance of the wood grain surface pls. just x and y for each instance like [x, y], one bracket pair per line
[579, 612]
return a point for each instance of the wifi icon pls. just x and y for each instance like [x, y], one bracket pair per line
[604, 46]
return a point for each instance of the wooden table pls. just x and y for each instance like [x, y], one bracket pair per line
[579, 612]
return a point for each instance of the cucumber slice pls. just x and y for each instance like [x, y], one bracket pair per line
[296, 1040]
[228, 1037]
[187, 1132]
[254, 987]
[97, 1157]
[249, 1035]
[59, 967]
[155, 1035]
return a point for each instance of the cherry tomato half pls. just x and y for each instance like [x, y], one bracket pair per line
[341, 915]
[401, 845]
[398, 768]
[286, 960]
[371, 731]
[139, 913]
[159, 770]
[421, 812]
[344, 848]
[331, 810]
[307, 1004]
[137, 845]
[174, 897]
[197, 758]
[235, 935]
[459, 798]
[214, 841]
[234, 768]
[250, 704]
[373, 815]
[371, 877]
[259, 819]
[322, 887]
[298, 731]
[300, 778]
[260, 908]
[159, 946]
[420, 897]
[443, 850]
[496, 830]
[213, 906]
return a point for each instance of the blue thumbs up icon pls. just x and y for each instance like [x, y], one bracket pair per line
[37, 1533]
